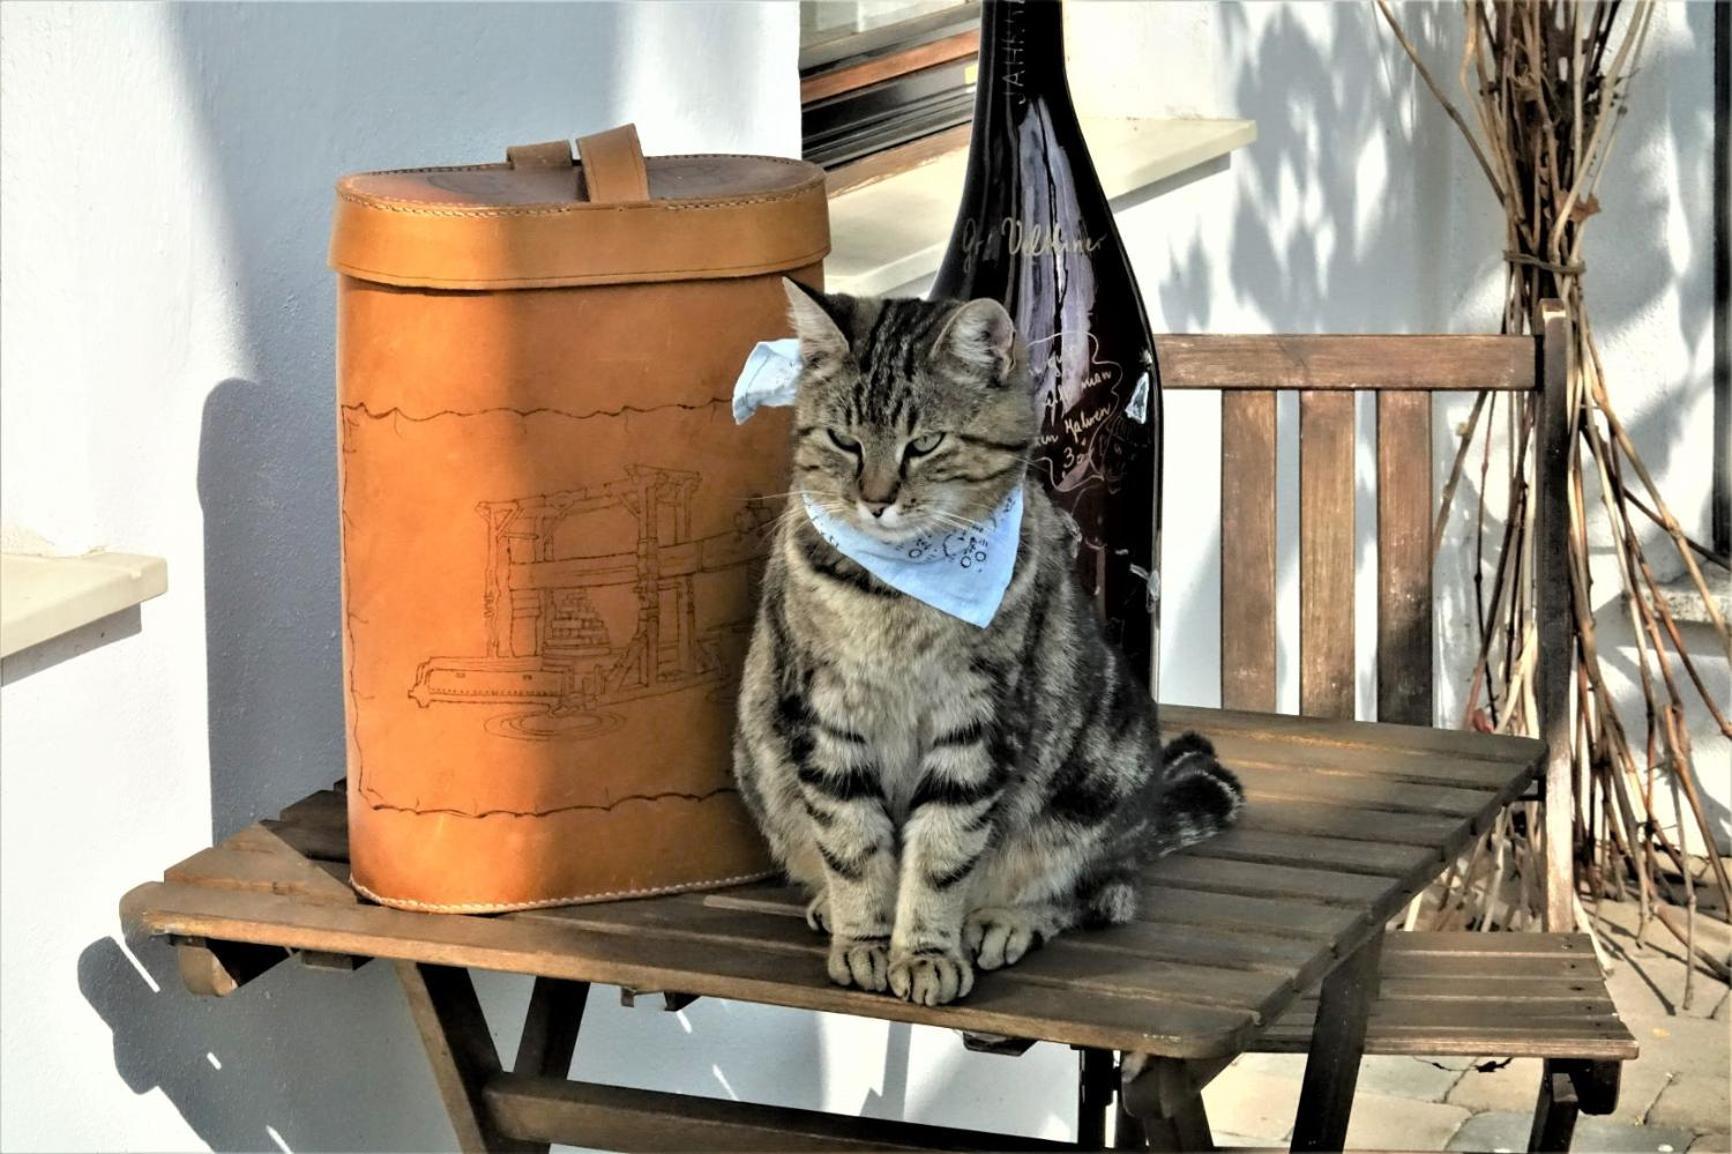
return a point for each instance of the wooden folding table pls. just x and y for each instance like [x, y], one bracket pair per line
[1345, 822]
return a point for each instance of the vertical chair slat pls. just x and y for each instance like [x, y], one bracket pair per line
[1326, 554]
[1248, 550]
[1404, 658]
[1554, 434]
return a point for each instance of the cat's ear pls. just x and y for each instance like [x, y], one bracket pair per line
[820, 321]
[981, 336]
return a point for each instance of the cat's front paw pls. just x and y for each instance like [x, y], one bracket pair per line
[1000, 935]
[862, 962]
[931, 977]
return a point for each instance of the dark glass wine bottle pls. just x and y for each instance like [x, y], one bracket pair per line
[1035, 232]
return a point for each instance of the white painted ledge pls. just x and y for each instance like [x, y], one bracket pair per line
[44, 597]
[886, 234]
[1684, 601]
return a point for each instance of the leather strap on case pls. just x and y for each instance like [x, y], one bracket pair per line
[613, 167]
[551, 154]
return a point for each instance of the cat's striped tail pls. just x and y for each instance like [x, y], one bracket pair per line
[1200, 797]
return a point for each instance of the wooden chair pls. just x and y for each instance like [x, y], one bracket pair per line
[1474, 994]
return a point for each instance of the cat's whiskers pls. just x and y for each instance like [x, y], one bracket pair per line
[828, 505]
[781, 496]
[956, 520]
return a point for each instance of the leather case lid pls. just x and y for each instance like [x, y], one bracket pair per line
[541, 220]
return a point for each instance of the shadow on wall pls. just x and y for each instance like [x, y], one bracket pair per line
[1619, 656]
[1333, 229]
[263, 1069]
[266, 485]
[46, 655]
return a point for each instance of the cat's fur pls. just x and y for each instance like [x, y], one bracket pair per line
[950, 796]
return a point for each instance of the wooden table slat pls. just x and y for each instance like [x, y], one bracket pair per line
[1071, 962]
[1287, 815]
[317, 825]
[772, 895]
[316, 843]
[1604, 1039]
[1418, 766]
[1261, 879]
[1442, 1012]
[325, 807]
[1362, 793]
[1176, 908]
[1489, 967]
[1229, 948]
[1360, 857]
[1289, 728]
[1472, 942]
[542, 947]
[243, 870]
[1204, 946]
[1160, 904]
[1479, 988]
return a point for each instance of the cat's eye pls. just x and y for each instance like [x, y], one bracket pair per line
[924, 444]
[844, 442]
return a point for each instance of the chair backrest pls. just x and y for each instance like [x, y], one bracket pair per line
[1403, 371]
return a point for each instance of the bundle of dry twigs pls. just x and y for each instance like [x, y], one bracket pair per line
[1547, 83]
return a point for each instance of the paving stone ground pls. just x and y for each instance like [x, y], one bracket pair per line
[1674, 1098]
[1509, 1132]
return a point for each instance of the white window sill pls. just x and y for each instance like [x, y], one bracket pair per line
[1684, 601]
[889, 233]
[42, 598]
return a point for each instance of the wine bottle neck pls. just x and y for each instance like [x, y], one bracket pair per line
[1022, 55]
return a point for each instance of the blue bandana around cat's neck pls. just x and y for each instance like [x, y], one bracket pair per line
[963, 573]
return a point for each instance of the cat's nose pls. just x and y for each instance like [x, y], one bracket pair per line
[876, 508]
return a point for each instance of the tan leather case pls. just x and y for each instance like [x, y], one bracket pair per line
[551, 527]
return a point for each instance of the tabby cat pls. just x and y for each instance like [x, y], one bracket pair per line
[949, 795]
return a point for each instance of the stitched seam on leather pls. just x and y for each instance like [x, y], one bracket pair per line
[544, 903]
[361, 408]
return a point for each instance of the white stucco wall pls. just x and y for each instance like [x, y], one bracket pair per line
[165, 377]
[1359, 209]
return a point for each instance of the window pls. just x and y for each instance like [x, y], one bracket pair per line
[885, 84]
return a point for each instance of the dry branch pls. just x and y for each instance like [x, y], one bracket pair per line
[1547, 83]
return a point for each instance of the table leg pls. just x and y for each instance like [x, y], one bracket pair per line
[550, 1027]
[218, 969]
[1337, 1045]
[1094, 1098]
[1128, 1131]
[1555, 1112]
[1162, 1098]
[460, 1049]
